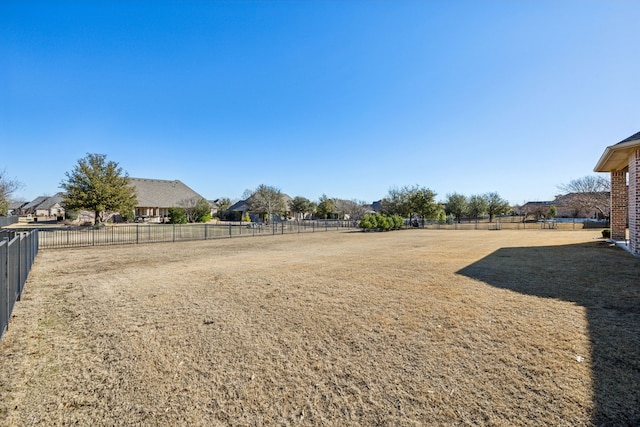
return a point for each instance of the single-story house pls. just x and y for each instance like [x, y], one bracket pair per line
[622, 162]
[30, 208]
[156, 196]
[52, 206]
[43, 206]
[567, 206]
[243, 207]
[16, 206]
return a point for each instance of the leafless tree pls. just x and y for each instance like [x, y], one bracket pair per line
[196, 209]
[267, 200]
[8, 186]
[588, 193]
[353, 209]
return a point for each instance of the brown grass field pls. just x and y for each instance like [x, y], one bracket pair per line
[417, 327]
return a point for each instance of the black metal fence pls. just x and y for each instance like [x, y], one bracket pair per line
[70, 237]
[500, 224]
[18, 251]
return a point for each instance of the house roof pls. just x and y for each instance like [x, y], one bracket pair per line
[616, 157]
[35, 202]
[161, 193]
[16, 204]
[49, 202]
[240, 206]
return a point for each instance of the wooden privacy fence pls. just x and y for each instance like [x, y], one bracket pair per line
[18, 251]
[70, 237]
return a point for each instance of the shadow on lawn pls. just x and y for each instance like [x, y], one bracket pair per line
[606, 281]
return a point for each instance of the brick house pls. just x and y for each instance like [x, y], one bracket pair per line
[156, 196]
[43, 206]
[622, 161]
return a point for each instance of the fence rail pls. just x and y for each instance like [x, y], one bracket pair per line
[18, 251]
[70, 237]
[517, 225]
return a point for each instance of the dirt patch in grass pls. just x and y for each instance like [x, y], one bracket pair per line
[405, 328]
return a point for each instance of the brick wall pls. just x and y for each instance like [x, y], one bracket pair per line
[634, 202]
[619, 198]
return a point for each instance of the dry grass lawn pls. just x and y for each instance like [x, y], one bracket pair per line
[418, 327]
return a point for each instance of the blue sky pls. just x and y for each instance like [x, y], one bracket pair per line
[343, 98]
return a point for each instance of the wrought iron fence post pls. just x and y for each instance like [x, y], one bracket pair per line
[5, 282]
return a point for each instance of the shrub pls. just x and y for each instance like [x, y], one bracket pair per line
[398, 222]
[365, 222]
[177, 216]
[381, 222]
[128, 216]
[606, 233]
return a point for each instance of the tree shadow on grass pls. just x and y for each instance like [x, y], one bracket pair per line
[603, 279]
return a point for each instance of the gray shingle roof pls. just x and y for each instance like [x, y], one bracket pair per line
[35, 202]
[51, 201]
[634, 137]
[161, 193]
[240, 206]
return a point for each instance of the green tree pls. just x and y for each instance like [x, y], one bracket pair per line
[456, 205]
[7, 187]
[177, 215]
[324, 208]
[267, 200]
[477, 206]
[223, 204]
[396, 202]
[202, 211]
[552, 212]
[422, 202]
[496, 205]
[98, 186]
[301, 206]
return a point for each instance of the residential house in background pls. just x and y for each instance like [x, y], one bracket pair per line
[14, 207]
[43, 206]
[156, 196]
[567, 206]
[622, 162]
[242, 208]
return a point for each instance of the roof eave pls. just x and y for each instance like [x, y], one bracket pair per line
[615, 156]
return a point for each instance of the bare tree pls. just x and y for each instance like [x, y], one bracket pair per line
[8, 186]
[197, 210]
[267, 200]
[353, 209]
[589, 193]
